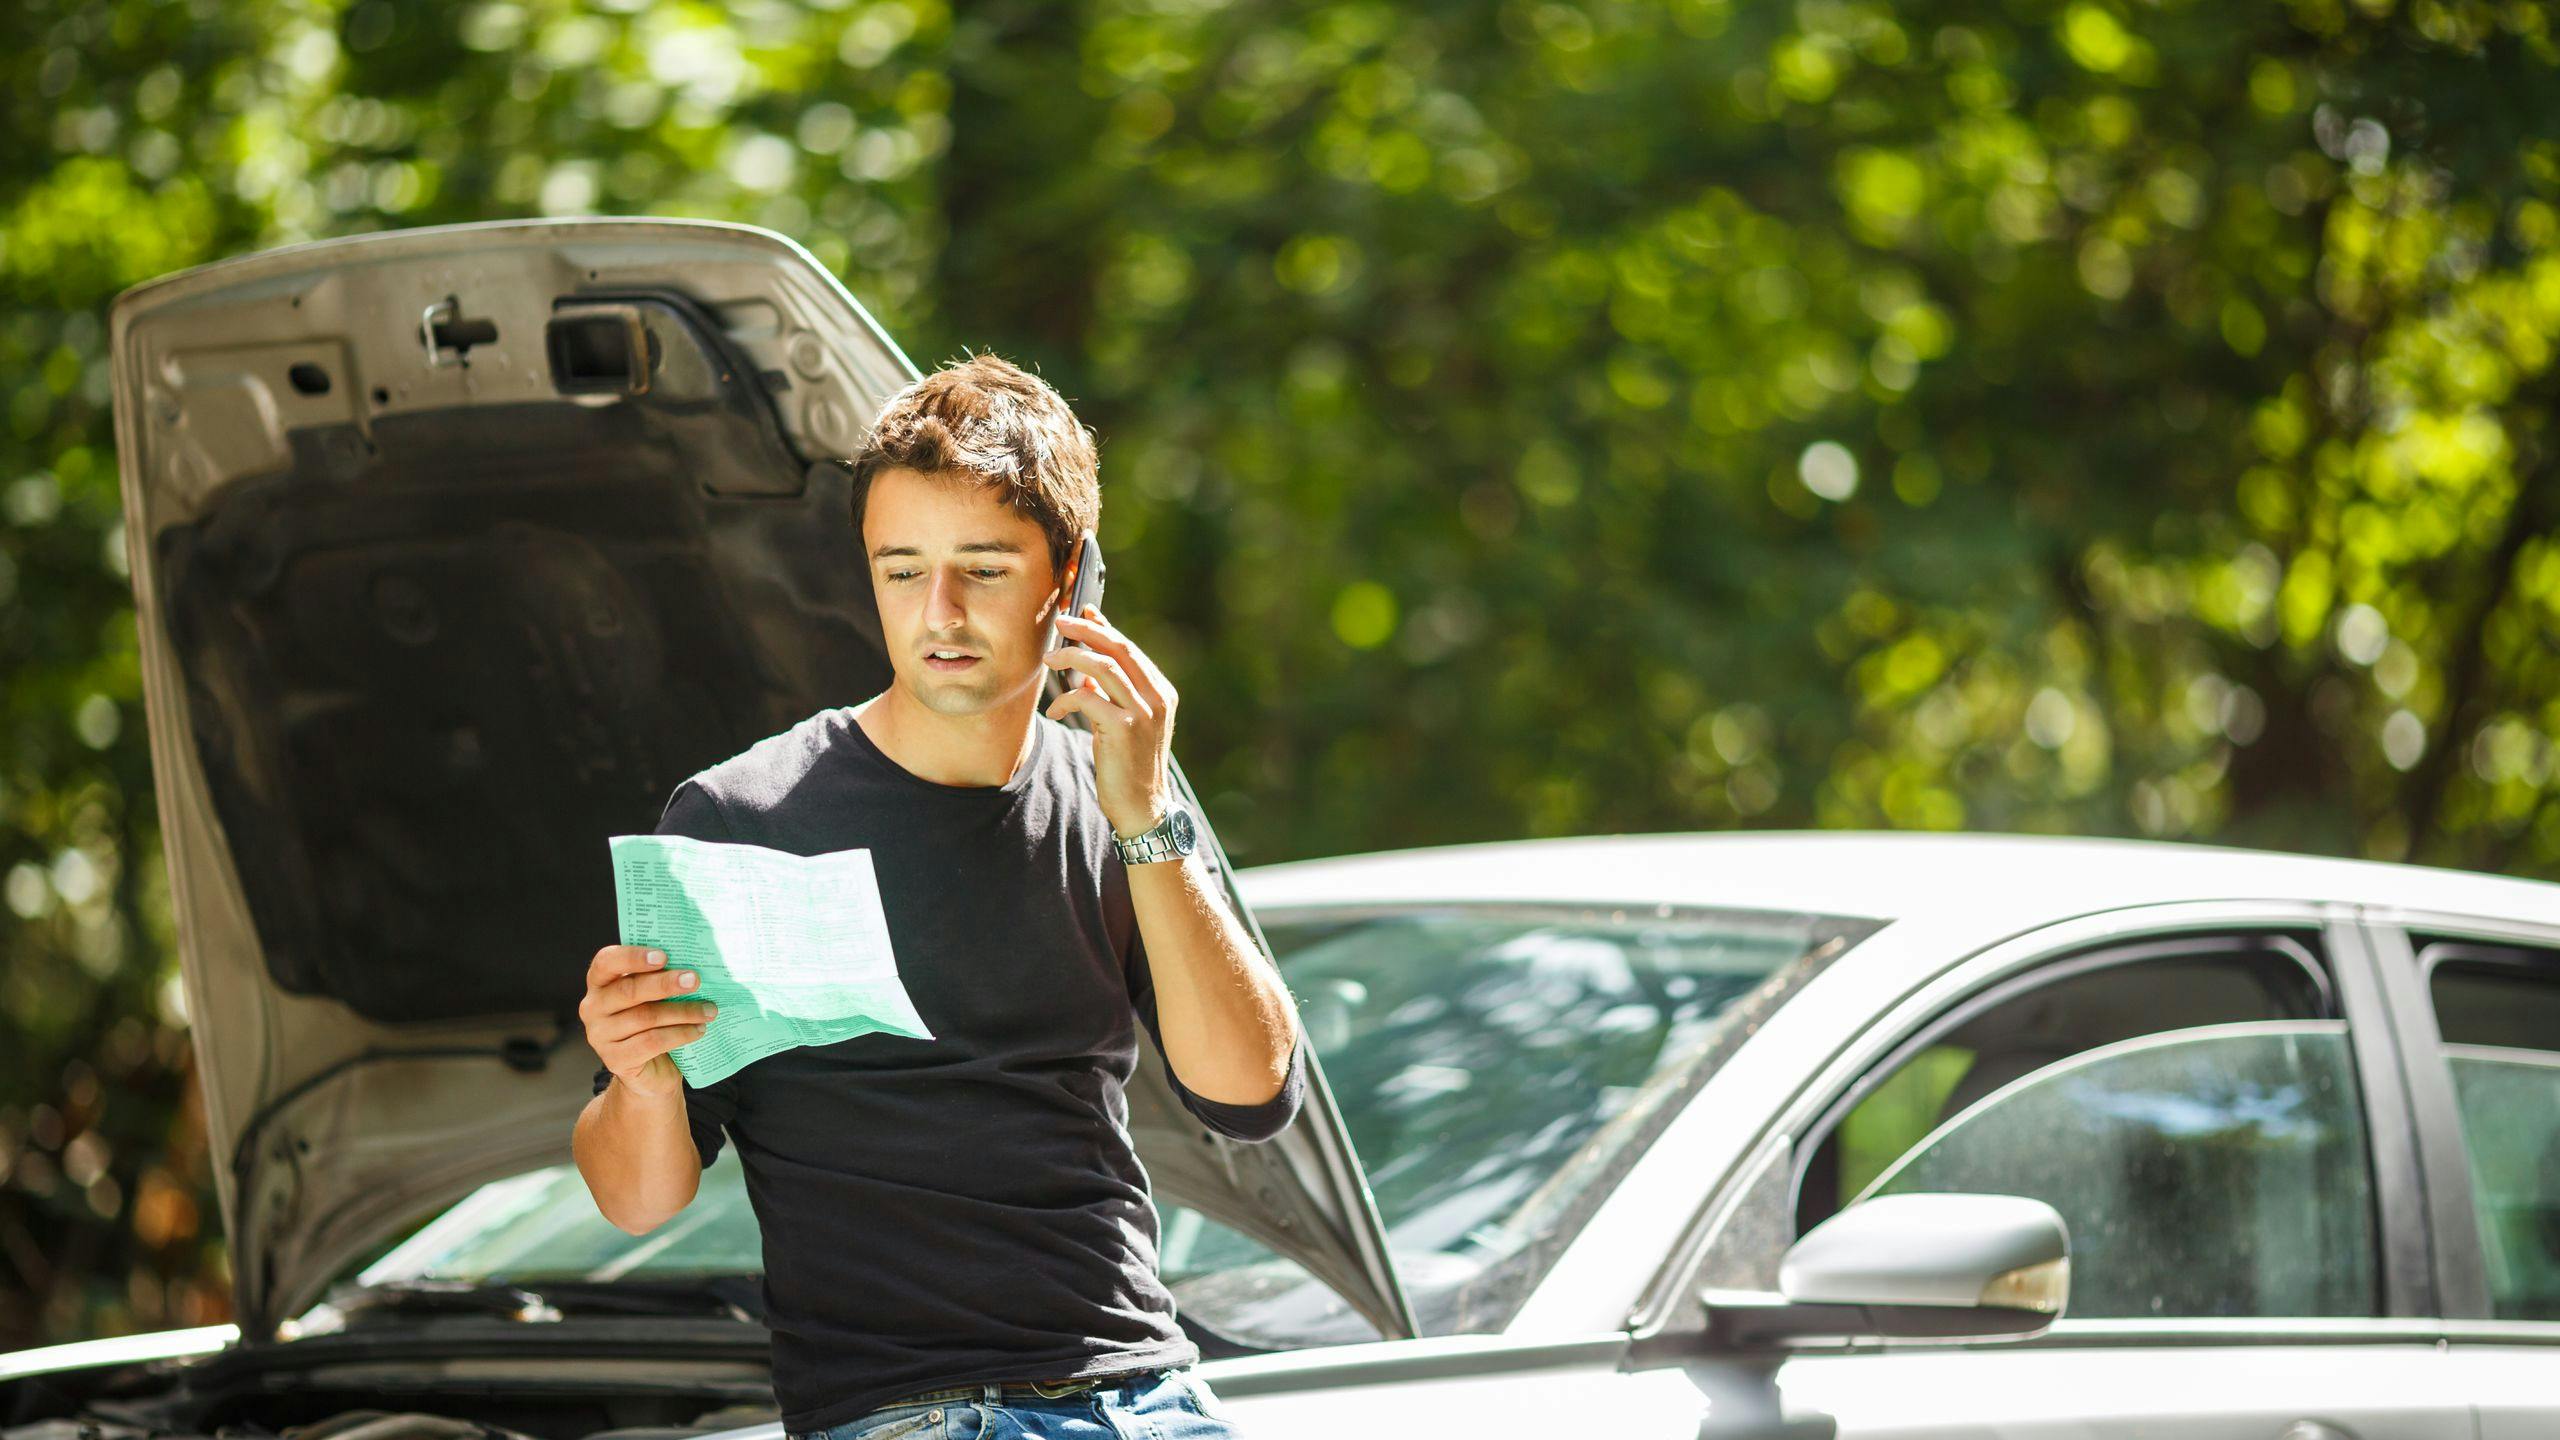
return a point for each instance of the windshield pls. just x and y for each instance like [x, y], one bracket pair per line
[1498, 1067]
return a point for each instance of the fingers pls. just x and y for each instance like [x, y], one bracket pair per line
[1093, 632]
[615, 961]
[673, 1037]
[637, 1006]
[1105, 670]
[631, 995]
[637, 989]
[659, 1015]
[634, 1056]
[1098, 712]
[654, 985]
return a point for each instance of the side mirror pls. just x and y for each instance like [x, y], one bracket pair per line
[1912, 1266]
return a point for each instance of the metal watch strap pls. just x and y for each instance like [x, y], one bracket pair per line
[1151, 844]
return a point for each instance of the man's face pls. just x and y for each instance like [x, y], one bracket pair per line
[956, 569]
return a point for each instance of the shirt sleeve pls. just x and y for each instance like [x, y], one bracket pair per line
[708, 1109]
[1249, 1123]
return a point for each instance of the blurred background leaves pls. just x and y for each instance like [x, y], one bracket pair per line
[1519, 418]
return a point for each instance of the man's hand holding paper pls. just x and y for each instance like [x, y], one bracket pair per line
[794, 949]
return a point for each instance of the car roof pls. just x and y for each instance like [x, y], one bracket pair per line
[1996, 879]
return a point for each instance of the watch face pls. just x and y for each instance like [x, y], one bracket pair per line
[1182, 834]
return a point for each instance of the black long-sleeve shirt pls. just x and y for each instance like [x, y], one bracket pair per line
[967, 1208]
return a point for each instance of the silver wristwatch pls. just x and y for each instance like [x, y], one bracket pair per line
[1170, 838]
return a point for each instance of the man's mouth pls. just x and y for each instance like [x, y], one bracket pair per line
[949, 659]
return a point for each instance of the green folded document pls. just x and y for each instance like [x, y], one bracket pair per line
[794, 949]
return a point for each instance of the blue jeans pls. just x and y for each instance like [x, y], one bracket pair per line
[1169, 1405]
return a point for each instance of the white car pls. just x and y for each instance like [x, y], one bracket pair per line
[1723, 1136]
[2301, 1117]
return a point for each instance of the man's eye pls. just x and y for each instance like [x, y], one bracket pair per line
[990, 574]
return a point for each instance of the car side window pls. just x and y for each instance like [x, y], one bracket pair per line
[2189, 1106]
[2498, 1008]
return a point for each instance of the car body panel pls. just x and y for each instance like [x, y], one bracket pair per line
[2510, 1375]
[1990, 884]
[419, 630]
[2241, 1391]
[116, 1350]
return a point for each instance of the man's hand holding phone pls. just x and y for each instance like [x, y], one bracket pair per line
[636, 1011]
[1126, 701]
[1128, 704]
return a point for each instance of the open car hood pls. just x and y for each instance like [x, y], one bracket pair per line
[453, 551]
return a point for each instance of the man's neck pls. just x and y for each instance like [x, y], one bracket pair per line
[984, 749]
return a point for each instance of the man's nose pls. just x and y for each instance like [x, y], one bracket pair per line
[942, 607]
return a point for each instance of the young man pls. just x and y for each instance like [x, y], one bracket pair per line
[957, 1234]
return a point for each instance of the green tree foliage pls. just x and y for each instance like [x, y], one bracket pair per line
[2120, 416]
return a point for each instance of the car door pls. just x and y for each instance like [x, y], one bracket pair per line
[2215, 1109]
[2477, 1002]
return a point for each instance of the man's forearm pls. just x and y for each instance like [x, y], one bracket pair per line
[1227, 1021]
[637, 1156]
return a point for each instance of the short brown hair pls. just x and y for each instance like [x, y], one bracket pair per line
[986, 418]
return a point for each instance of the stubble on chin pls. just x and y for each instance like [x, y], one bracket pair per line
[948, 697]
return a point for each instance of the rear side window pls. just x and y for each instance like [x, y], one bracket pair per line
[2498, 1008]
[2189, 1106]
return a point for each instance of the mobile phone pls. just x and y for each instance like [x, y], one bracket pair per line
[1083, 583]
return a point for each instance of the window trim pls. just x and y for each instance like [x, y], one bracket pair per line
[2460, 1259]
[2410, 1285]
[2099, 1054]
[2443, 950]
[1667, 1298]
[2502, 1054]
